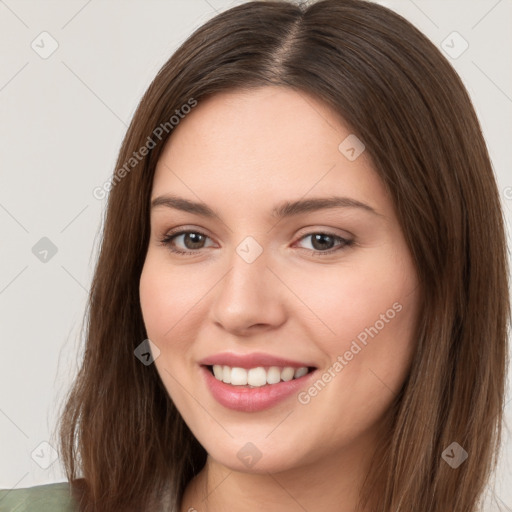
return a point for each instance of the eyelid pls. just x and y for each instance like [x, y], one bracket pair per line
[166, 239]
[308, 230]
[184, 230]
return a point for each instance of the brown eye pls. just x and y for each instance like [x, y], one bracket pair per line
[192, 240]
[325, 243]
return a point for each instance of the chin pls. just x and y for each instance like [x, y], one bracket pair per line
[257, 457]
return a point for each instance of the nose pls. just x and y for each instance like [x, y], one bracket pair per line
[249, 297]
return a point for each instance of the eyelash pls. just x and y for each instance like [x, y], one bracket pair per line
[167, 239]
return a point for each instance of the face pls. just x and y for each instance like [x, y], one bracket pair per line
[244, 292]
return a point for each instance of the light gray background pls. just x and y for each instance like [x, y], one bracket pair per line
[62, 120]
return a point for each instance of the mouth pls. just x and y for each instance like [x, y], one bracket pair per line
[257, 377]
[256, 381]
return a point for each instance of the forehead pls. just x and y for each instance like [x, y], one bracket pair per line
[260, 146]
[268, 122]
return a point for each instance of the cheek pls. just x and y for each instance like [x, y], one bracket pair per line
[169, 298]
[369, 356]
[365, 297]
[368, 311]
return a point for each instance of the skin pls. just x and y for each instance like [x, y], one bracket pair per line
[242, 153]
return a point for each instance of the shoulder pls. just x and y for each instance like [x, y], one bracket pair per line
[40, 498]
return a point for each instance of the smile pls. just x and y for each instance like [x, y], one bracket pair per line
[258, 376]
[249, 398]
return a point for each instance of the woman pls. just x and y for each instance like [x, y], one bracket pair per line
[295, 306]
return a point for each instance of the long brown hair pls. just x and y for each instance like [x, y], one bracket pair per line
[119, 429]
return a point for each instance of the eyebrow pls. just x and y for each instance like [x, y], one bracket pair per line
[282, 210]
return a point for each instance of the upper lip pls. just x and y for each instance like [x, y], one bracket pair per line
[250, 360]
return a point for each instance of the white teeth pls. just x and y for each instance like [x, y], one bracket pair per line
[218, 371]
[273, 375]
[287, 373]
[238, 376]
[226, 374]
[257, 377]
[300, 372]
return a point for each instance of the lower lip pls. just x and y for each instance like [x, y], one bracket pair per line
[256, 399]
